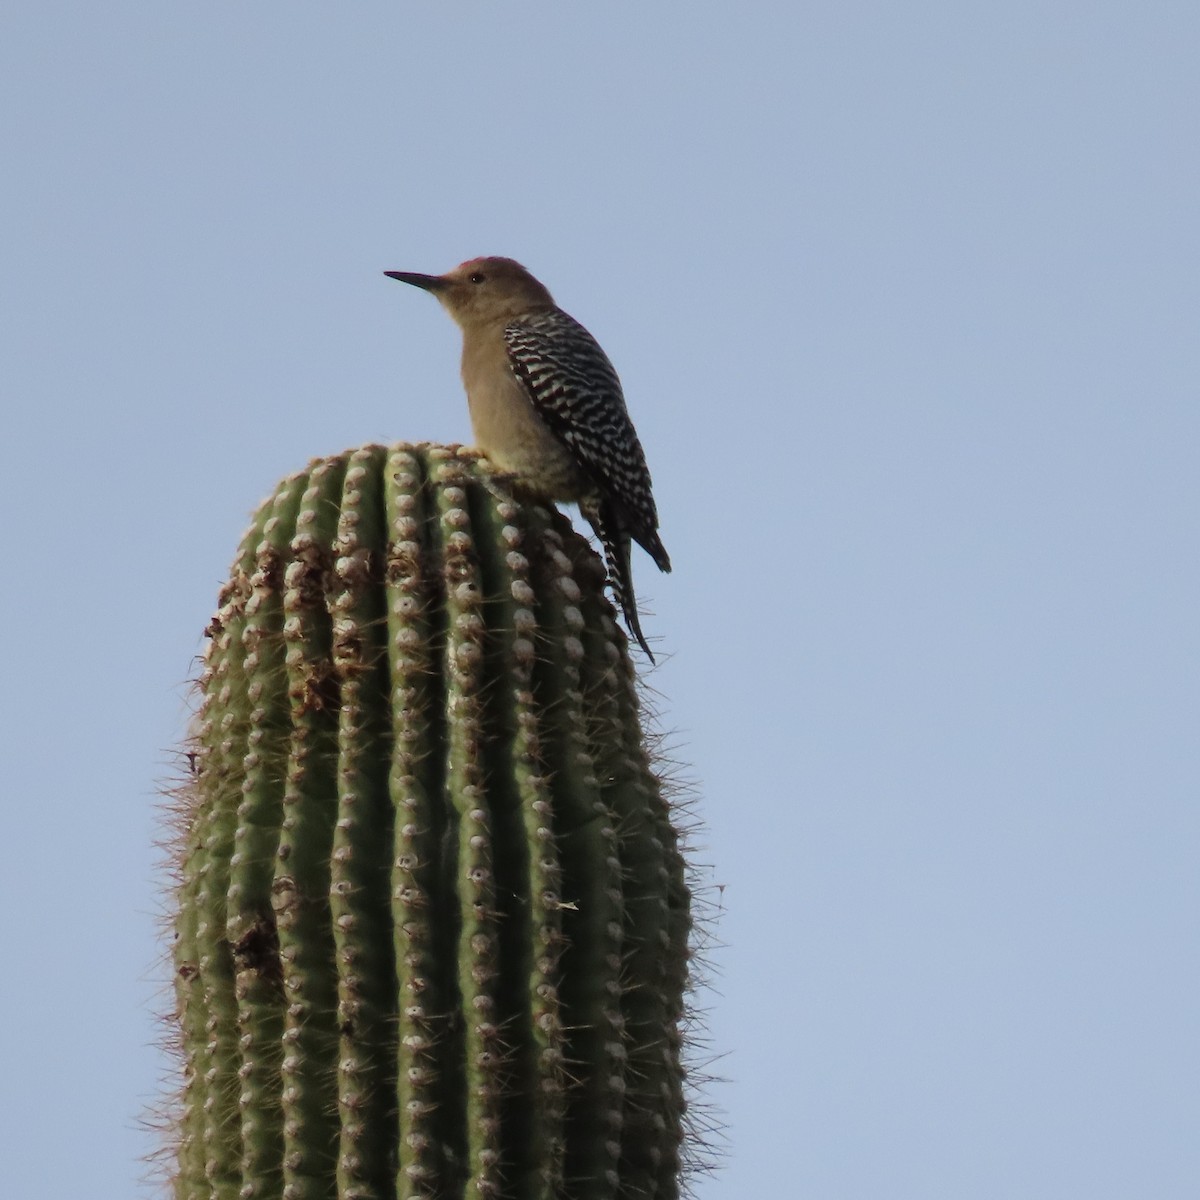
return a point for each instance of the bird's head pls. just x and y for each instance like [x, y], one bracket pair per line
[483, 291]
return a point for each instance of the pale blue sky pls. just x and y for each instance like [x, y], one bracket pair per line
[905, 301]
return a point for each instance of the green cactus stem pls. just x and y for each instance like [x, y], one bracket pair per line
[432, 924]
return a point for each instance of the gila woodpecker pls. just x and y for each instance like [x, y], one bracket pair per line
[547, 408]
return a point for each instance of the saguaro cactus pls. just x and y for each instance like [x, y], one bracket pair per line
[432, 923]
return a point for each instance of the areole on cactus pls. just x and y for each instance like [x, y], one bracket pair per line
[432, 922]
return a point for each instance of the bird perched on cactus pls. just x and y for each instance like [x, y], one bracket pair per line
[547, 409]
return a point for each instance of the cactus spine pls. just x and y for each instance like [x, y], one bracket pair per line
[432, 920]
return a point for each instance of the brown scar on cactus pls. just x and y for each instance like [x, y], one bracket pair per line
[434, 932]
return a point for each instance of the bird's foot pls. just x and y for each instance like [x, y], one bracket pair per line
[504, 485]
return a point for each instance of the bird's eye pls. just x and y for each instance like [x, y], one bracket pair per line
[476, 278]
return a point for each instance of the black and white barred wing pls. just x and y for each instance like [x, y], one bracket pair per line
[576, 391]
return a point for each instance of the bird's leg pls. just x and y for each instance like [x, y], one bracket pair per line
[504, 485]
[500, 483]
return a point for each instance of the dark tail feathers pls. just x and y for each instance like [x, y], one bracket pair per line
[617, 544]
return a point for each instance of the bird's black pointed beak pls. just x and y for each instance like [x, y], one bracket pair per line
[429, 283]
